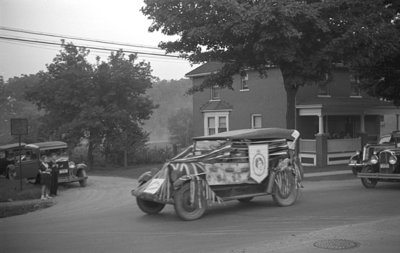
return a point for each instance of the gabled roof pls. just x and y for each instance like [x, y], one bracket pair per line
[216, 105]
[205, 69]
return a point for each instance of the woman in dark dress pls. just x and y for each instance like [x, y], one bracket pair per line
[54, 175]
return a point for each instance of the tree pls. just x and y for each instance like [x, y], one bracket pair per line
[368, 41]
[244, 34]
[180, 126]
[13, 105]
[98, 102]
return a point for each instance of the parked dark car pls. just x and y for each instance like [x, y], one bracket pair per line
[236, 165]
[383, 164]
[362, 158]
[30, 161]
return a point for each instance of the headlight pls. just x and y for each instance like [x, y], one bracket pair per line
[71, 164]
[392, 160]
[374, 159]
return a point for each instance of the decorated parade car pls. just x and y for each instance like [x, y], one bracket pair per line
[30, 162]
[362, 158]
[236, 165]
[383, 165]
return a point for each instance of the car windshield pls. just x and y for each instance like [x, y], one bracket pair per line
[205, 146]
[59, 152]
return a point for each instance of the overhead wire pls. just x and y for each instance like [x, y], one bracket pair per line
[77, 38]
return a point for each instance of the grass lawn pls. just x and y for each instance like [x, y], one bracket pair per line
[11, 190]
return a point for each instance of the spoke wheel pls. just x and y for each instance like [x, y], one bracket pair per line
[368, 182]
[285, 192]
[183, 206]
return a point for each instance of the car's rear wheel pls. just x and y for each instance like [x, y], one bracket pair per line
[285, 191]
[245, 200]
[82, 182]
[10, 174]
[149, 207]
[183, 206]
[368, 182]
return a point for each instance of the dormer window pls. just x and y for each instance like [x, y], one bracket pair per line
[355, 86]
[244, 77]
[215, 92]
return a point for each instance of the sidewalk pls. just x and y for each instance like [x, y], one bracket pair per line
[332, 172]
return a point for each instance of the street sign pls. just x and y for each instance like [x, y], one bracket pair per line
[19, 126]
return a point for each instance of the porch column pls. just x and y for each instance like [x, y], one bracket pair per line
[320, 124]
[362, 123]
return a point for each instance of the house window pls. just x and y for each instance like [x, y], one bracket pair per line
[355, 86]
[216, 122]
[323, 87]
[211, 125]
[256, 121]
[215, 92]
[244, 77]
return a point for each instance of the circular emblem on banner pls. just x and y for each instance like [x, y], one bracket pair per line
[259, 164]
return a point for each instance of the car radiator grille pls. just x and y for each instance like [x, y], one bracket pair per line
[384, 165]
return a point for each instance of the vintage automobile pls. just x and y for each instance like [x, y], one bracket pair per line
[7, 156]
[30, 161]
[383, 164]
[362, 158]
[236, 165]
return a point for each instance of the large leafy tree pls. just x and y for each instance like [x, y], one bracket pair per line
[367, 39]
[180, 127]
[13, 105]
[103, 103]
[242, 34]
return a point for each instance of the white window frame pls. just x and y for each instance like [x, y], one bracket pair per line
[253, 116]
[216, 116]
[244, 79]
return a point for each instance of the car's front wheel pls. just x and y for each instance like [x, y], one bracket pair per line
[184, 207]
[368, 182]
[285, 191]
[149, 207]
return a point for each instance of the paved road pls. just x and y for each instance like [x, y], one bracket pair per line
[103, 217]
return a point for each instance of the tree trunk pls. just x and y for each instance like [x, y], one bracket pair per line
[90, 155]
[125, 158]
[291, 92]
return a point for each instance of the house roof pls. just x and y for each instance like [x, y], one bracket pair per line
[254, 134]
[216, 105]
[205, 69]
[345, 105]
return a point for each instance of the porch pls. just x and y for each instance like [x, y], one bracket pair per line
[333, 129]
[338, 151]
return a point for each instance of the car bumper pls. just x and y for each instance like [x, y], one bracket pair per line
[378, 176]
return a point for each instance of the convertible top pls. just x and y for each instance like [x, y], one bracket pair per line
[48, 145]
[13, 145]
[254, 134]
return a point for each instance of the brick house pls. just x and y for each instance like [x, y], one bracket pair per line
[334, 117]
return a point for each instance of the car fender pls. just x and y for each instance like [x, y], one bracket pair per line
[145, 177]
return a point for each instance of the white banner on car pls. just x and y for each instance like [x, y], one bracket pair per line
[154, 185]
[258, 156]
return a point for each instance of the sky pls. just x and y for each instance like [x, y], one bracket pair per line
[107, 20]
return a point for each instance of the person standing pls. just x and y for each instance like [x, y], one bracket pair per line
[45, 179]
[54, 175]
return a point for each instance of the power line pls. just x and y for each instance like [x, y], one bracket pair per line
[89, 47]
[76, 38]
